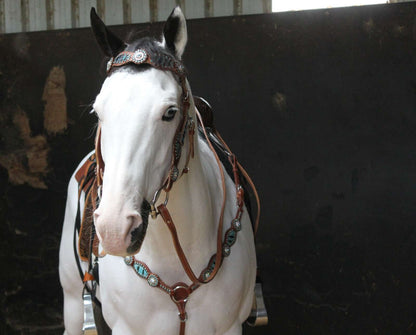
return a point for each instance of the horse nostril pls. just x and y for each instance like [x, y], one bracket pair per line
[134, 220]
[137, 231]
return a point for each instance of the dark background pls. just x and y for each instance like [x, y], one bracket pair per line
[319, 106]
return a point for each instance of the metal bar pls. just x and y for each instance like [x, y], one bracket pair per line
[2, 18]
[50, 9]
[267, 6]
[88, 327]
[101, 8]
[75, 13]
[238, 7]
[209, 8]
[153, 10]
[126, 11]
[24, 9]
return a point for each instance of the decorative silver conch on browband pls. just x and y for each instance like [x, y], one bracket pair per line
[137, 57]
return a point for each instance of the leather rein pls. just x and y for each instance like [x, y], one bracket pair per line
[180, 292]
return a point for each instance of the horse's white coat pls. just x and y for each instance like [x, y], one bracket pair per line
[137, 149]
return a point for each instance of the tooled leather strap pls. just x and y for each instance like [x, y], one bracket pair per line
[99, 157]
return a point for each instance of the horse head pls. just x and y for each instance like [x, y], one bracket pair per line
[143, 117]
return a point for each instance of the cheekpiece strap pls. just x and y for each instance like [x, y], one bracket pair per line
[165, 62]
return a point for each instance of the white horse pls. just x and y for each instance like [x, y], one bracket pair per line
[143, 107]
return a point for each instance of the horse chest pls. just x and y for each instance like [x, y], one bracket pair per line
[131, 306]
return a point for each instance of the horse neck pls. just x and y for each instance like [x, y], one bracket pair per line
[194, 204]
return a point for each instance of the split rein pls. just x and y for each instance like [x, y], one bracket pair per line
[180, 292]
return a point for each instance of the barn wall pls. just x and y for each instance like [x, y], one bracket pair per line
[319, 106]
[35, 15]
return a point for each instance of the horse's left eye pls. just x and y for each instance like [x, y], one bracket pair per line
[169, 114]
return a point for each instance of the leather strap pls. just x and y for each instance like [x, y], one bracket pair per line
[164, 212]
[179, 295]
[249, 180]
[182, 328]
[218, 256]
[99, 157]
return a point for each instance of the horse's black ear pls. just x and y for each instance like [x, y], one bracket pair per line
[109, 43]
[175, 35]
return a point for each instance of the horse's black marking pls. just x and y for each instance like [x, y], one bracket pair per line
[138, 234]
[109, 43]
[171, 30]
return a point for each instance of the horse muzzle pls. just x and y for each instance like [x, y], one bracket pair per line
[122, 235]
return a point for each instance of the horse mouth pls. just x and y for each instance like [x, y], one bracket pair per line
[138, 234]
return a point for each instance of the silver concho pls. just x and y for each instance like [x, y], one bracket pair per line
[236, 224]
[153, 280]
[181, 68]
[226, 250]
[128, 260]
[139, 56]
[110, 64]
[206, 274]
[175, 173]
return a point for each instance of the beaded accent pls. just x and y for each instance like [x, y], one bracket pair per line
[175, 173]
[138, 57]
[177, 149]
[230, 236]
[143, 271]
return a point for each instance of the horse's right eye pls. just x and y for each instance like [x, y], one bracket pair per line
[169, 114]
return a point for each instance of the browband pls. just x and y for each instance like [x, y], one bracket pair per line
[141, 56]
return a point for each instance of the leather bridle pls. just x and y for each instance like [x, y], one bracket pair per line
[180, 292]
[163, 62]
